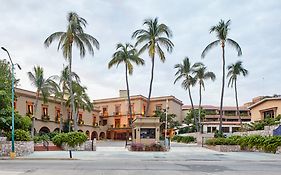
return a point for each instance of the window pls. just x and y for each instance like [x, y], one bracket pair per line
[69, 115]
[235, 129]
[143, 109]
[214, 129]
[57, 115]
[45, 111]
[209, 129]
[80, 117]
[104, 122]
[94, 120]
[117, 123]
[104, 111]
[29, 108]
[225, 129]
[158, 107]
[117, 109]
[147, 133]
[268, 114]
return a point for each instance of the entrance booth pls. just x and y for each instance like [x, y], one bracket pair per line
[146, 130]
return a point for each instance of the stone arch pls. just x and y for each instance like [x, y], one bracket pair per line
[94, 135]
[102, 136]
[80, 130]
[57, 130]
[44, 130]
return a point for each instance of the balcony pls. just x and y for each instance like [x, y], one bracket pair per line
[81, 122]
[45, 118]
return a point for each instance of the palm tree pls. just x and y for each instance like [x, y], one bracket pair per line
[221, 31]
[43, 86]
[234, 70]
[153, 38]
[185, 71]
[63, 88]
[201, 74]
[74, 35]
[126, 54]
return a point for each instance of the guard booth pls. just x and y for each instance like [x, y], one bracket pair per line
[146, 130]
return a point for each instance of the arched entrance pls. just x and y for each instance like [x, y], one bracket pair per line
[57, 130]
[94, 135]
[80, 130]
[102, 136]
[44, 130]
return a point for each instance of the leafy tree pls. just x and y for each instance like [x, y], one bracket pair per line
[201, 74]
[153, 37]
[185, 71]
[171, 122]
[126, 54]
[234, 70]
[74, 35]
[221, 31]
[44, 87]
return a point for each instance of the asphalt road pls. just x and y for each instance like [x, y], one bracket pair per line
[182, 159]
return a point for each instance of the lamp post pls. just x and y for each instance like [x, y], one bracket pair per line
[12, 154]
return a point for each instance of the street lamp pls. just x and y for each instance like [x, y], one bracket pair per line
[12, 154]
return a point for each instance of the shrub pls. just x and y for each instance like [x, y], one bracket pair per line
[59, 139]
[76, 138]
[40, 138]
[183, 139]
[137, 147]
[218, 134]
[22, 135]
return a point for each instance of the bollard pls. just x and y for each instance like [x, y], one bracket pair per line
[70, 154]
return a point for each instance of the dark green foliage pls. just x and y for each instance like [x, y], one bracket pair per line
[218, 134]
[171, 123]
[266, 144]
[72, 139]
[183, 139]
[259, 125]
[150, 147]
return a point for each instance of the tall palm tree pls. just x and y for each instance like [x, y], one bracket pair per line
[126, 54]
[221, 31]
[74, 35]
[234, 70]
[185, 71]
[201, 74]
[43, 87]
[153, 38]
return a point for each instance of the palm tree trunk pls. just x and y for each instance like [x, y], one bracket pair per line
[222, 88]
[34, 113]
[237, 106]
[192, 108]
[199, 108]
[129, 99]
[61, 107]
[71, 91]
[150, 87]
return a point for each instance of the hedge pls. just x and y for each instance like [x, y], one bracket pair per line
[72, 139]
[264, 143]
[183, 139]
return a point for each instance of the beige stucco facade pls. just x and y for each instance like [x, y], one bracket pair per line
[267, 107]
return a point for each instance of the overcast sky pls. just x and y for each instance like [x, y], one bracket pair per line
[256, 26]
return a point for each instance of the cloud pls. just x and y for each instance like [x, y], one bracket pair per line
[255, 26]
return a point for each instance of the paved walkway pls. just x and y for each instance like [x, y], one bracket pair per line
[178, 151]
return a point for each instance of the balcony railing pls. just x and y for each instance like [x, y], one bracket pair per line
[81, 122]
[45, 117]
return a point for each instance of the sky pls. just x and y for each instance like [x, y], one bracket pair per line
[255, 25]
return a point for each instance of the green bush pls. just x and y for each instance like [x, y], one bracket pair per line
[40, 138]
[22, 135]
[59, 139]
[72, 139]
[183, 139]
[266, 144]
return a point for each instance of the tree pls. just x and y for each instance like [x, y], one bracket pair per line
[44, 87]
[234, 70]
[201, 74]
[221, 31]
[185, 71]
[171, 123]
[153, 38]
[126, 54]
[74, 35]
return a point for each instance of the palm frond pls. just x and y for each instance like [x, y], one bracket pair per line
[209, 47]
[235, 45]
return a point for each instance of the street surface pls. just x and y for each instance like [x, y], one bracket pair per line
[113, 158]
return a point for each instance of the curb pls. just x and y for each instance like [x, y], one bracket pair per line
[29, 158]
